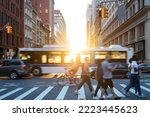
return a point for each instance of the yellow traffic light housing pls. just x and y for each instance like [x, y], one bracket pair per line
[8, 29]
[101, 12]
[106, 13]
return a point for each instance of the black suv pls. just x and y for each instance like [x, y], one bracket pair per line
[14, 68]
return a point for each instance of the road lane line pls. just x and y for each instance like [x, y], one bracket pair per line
[81, 95]
[118, 93]
[44, 93]
[144, 88]
[62, 93]
[131, 90]
[26, 93]
[147, 84]
[99, 91]
[10, 93]
[2, 90]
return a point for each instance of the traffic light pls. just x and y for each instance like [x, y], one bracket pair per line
[8, 29]
[101, 12]
[105, 13]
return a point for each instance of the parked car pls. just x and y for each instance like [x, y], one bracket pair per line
[14, 68]
[144, 67]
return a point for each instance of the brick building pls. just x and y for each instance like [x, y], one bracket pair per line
[12, 12]
[45, 10]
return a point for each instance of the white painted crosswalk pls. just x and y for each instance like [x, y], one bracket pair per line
[26, 93]
[10, 93]
[83, 94]
[44, 93]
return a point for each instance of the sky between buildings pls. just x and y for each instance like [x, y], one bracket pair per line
[74, 12]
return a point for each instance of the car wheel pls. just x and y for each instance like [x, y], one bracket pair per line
[13, 75]
[36, 71]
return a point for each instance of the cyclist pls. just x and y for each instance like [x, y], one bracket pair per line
[73, 68]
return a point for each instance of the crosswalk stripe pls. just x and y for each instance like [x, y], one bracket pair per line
[44, 93]
[147, 84]
[118, 93]
[81, 94]
[131, 90]
[10, 93]
[144, 88]
[62, 93]
[26, 93]
[99, 91]
[2, 90]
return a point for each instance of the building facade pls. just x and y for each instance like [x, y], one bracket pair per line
[28, 39]
[93, 24]
[45, 10]
[59, 28]
[133, 31]
[12, 12]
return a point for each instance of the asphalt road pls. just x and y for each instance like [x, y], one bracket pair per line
[47, 88]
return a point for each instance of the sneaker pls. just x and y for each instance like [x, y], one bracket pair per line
[141, 96]
[125, 93]
[95, 97]
[76, 92]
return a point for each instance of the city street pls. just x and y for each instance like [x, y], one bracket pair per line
[46, 88]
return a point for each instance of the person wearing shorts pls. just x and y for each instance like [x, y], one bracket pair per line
[107, 76]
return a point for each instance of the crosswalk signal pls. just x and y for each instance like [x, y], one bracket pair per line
[9, 29]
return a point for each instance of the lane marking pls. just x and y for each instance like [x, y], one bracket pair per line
[62, 93]
[2, 90]
[10, 93]
[44, 93]
[81, 95]
[26, 93]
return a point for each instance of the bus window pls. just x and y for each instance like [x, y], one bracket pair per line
[54, 59]
[68, 58]
[24, 56]
[44, 59]
[100, 55]
[118, 55]
[83, 56]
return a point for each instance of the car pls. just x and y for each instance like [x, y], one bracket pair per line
[144, 67]
[14, 68]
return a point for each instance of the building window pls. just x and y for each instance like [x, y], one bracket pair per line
[132, 34]
[40, 5]
[126, 37]
[40, 11]
[46, 10]
[141, 30]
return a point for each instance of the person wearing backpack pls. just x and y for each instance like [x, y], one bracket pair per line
[99, 77]
[85, 76]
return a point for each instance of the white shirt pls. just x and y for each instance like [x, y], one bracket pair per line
[134, 66]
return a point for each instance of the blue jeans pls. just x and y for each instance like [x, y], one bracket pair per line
[134, 81]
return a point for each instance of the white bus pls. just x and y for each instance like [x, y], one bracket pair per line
[53, 59]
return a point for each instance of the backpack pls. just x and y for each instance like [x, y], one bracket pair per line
[99, 74]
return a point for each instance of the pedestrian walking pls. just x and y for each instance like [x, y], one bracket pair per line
[85, 76]
[134, 79]
[107, 77]
[99, 77]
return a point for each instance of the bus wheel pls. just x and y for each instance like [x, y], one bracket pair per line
[36, 71]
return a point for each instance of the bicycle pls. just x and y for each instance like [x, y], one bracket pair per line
[68, 78]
